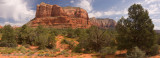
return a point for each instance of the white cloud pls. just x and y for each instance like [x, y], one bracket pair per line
[112, 12]
[95, 14]
[156, 27]
[12, 24]
[85, 4]
[16, 10]
[156, 20]
[153, 9]
[72, 1]
[151, 1]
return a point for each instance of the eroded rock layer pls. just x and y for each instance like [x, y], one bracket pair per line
[60, 17]
[103, 23]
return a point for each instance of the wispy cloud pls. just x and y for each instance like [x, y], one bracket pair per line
[113, 12]
[151, 1]
[95, 14]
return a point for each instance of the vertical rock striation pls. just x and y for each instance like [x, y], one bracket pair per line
[60, 17]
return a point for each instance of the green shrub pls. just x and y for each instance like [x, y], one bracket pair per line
[8, 37]
[6, 44]
[136, 53]
[94, 39]
[107, 50]
[52, 55]
[41, 54]
[154, 50]
[26, 46]
[7, 50]
[64, 52]
[30, 53]
[70, 43]
[78, 49]
[55, 50]
[41, 51]
[47, 54]
[22, 49]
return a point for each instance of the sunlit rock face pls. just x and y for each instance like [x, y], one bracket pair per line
[60, 17]
[103, 23]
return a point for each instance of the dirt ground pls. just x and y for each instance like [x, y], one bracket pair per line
[63, 47]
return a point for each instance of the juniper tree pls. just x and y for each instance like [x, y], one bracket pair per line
[8, 37]
[136, 30]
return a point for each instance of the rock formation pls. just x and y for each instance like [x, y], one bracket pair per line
[1, 27]
[60, 17]
[103, 23]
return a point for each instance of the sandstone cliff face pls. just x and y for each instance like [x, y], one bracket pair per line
[1, 26]
[60, 17]
[103, 23]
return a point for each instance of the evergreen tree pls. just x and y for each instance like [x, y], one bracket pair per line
[136, 30]
[94, 39]
[41, 37]
[24, 35]
[51, 40]
[8, 37]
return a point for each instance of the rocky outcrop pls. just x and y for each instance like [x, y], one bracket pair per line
[60, 17]
[1, 27]
[103, 23]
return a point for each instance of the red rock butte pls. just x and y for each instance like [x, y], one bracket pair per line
[60, 17]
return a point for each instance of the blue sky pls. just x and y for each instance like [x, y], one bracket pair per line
[19, 12]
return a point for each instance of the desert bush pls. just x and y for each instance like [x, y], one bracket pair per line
[158, 38]
[136, 53]
[26, 46]
[46, 54]
[31, 53]
[78, 49]
[69, 42]
[52, 55]
[94, 40]
[41, 37]
[24, 35]
[41, 51]
[51, 41]
[5, 44]
[7, 50]
[64, 52]
[22, 49]
[71, 33]
[107, 50]
[154, 50]
[8, 37]
[55, 50]
[41, 54]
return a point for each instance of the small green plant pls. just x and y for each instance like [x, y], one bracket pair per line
[26, 46]
[136, 53]
[55, 50]
[70, 43]
[154, 50]
[107, 50]
[52, 55]
[40, 54]
[63, 52]
[30, 53]
[22, 49]
[7, 50]
[47, 54]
